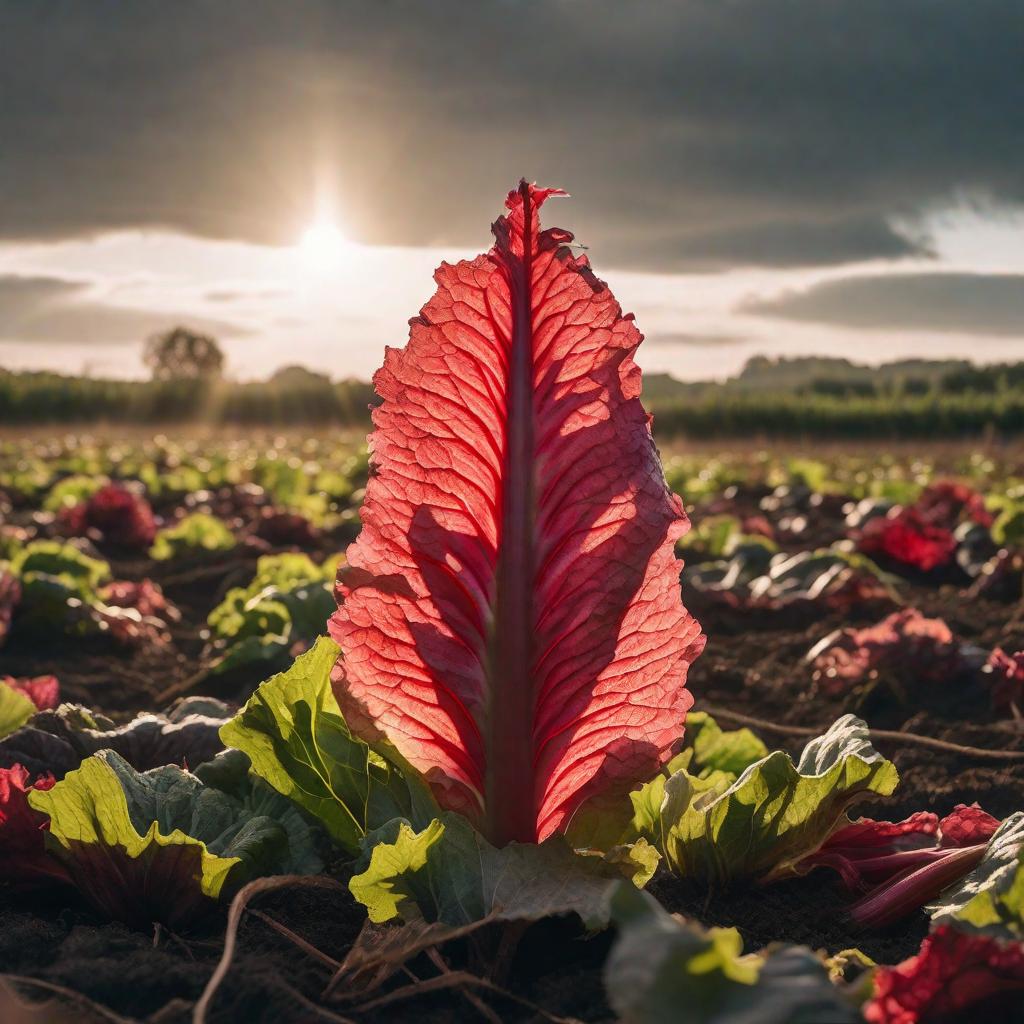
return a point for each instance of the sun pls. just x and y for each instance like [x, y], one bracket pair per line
[324, 247]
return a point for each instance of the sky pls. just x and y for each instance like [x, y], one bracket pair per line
[750, 176]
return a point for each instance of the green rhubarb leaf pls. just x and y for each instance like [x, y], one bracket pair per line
[198, 533]
[298, 741]
[288, 600]
[662, 970]
[762, 824]
[991, 898]
[230, 773]
[275, 574]
[62, 560]
[156, 846]
[448, 872]
[717, 750]
[15, 709]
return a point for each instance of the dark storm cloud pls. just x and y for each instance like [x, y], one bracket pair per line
[694, 134]
[948, 302]
[51, 310]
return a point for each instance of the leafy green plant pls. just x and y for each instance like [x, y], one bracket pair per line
[662, 970]
[284, 608]
[63, 561]
[162, 845]
[72, 490]
[300, 744]
[716, 827]
[196, 534]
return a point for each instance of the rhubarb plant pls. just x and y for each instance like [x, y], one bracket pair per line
[197, 535]
[762, 825]
[510, 617]
[973, 958]
[279, 613]
[990, 900]
[163, 845]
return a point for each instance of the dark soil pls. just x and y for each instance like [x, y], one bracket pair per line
[754, 664]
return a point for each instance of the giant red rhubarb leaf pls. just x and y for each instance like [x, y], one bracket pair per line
[510, 616]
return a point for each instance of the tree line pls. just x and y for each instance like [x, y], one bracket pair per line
[794, 398]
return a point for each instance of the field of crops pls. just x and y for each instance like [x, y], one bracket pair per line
[149, 586]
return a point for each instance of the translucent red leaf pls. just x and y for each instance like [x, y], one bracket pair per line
[510, 616]
[43, 691]
[1006, 674]
[22, 830]
[952, 973]
[118, 514]
[908, 537]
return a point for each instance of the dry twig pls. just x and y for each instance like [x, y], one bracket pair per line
[980, 753]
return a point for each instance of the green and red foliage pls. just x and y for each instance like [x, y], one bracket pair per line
[510, 616]
[905, 645]
[115, 514]
[43, 691]
[954, 975]
[22, 831]
[512, 687]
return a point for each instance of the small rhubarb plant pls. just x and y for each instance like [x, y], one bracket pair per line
[716, 820]
[900, 866]
[164, 845]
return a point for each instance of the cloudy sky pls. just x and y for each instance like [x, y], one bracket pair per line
[780, 176]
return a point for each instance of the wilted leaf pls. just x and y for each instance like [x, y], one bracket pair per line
[448, 872]
[57, 741]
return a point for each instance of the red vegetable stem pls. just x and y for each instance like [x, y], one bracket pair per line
[511, 812]
[895, 899]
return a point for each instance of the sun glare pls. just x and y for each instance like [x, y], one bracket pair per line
[323, 247]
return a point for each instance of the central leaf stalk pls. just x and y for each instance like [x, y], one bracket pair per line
[511, 798]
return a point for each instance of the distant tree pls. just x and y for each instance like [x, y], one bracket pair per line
[838, 388]
[299, 377]
[183, 354]
[916, 386]
[977, 379]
